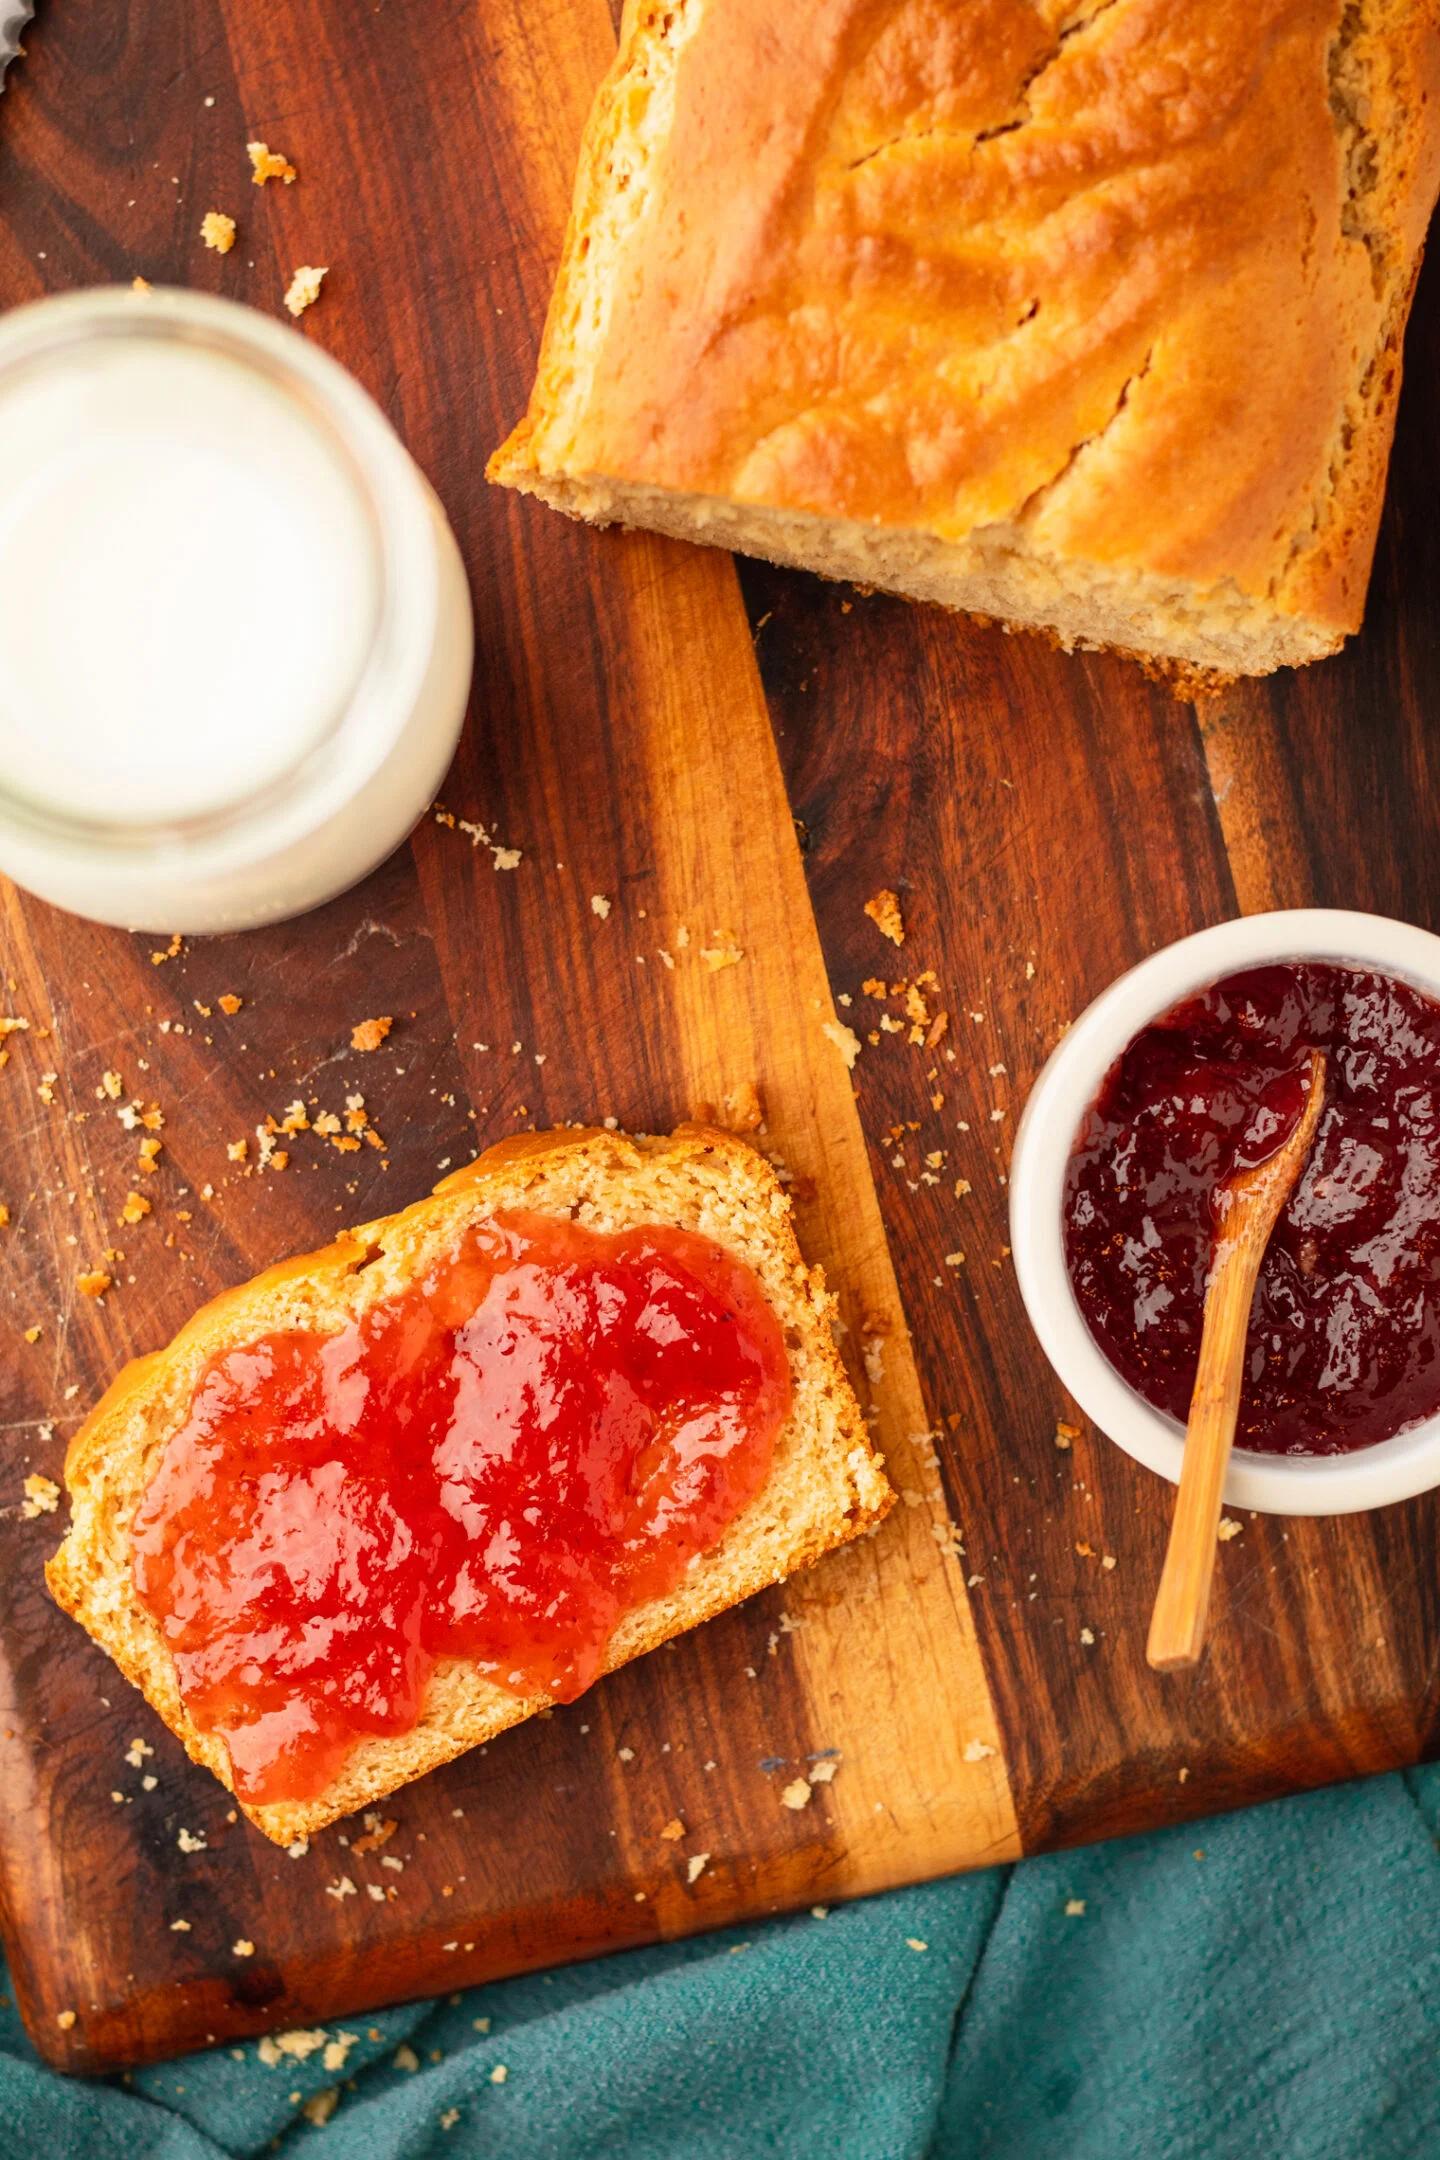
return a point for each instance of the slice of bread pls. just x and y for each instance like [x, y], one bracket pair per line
[825, 1487]
[1083, 318]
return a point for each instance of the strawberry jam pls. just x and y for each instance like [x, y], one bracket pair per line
[1344, 1339]
[494, 1465]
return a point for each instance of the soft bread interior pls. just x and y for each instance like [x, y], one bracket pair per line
[826, 1486]
[1183, 631]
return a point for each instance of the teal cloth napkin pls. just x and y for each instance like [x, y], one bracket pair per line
[1263, 1984]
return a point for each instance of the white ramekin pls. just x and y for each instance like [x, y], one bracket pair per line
[1272, 1484]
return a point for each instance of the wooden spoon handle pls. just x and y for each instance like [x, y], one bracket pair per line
[1252, 1200]
[1177, 1625]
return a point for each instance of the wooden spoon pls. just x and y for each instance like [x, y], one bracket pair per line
[1248, 1206]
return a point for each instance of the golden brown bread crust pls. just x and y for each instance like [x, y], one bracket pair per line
[827, 1485]
[1103, 298]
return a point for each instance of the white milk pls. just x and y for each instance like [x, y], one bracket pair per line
[235, 637]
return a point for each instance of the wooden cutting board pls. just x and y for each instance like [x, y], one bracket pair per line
[750, 755]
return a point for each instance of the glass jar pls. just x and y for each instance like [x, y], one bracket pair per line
[235, 632]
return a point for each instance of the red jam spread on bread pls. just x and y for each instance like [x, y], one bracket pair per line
[495, 1465]
[1344, 1340]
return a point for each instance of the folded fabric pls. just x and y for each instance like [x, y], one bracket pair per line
[1265, 1983]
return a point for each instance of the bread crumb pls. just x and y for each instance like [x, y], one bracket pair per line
[136, 1207]
[599, 905]
[139, 285]
[449, 2118]
[136, 1753]
[796, 1795]
[191, 1842]
[342, 1889]
[65, 2019]
[297, 2045]
[696, 1865]
[149, 1150]
[1087, 1635]
[237, 1150]
[954, 1259]
[913, 1942]
[321, 2106]
[744, 1108]
[976, 1751]
[378, 1833]
[1066, 1435]
[823, 1773]
[406, 2057]
[304, 288]
[1228, 1528]
[42, 1497]
[883, 908]
[179, 1927]
[1074, 1908]
[229, 1003]
[846, 1041]
[499, 2074]
[243, 1948]
[218, 231]
[337, 2049]
[171, 952]
[112, 1085]
[369, 1034]
[480, 2025]
[716, 957]
[673, 1829]
[94, 1283]
[32, 1334]
[270, 165]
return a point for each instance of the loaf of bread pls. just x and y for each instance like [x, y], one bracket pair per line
[1082, 315]
[826, 1484]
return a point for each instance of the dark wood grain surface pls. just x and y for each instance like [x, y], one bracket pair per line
[1047, 820]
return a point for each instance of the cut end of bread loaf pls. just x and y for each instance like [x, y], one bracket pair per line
[1197, 639]
[826, 1485]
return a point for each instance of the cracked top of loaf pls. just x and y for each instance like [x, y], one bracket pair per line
[1125, 279]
